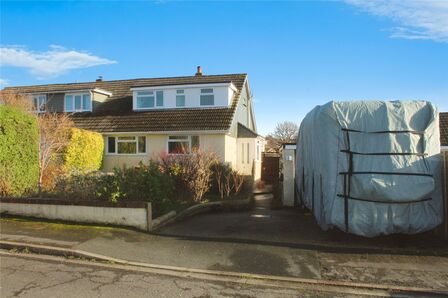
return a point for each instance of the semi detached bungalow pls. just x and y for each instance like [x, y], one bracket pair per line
[143, 118]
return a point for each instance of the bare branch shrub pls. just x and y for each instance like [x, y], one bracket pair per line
[238, 181]
[54, 135]
[191, 171]
[10, 98]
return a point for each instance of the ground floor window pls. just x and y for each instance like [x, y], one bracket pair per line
[183, 144]
[126, 145]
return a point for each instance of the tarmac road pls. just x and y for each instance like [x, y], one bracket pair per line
[25, 277]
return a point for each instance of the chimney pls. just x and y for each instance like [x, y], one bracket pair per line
[100, 79]
[199, 73]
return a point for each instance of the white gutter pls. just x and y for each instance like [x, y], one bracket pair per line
[181, 132]
[97, 90]
[187, 86]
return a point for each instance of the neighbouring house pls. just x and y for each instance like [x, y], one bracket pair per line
[143, 118]
[443, 122]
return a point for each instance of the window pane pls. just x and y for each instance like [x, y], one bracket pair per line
[247, 152]
[145, 102]
[180, 91]
[86, 103]
[178, 137]
[159, 98]
[77, 102]
[140, 93]
[141, 144]
[194, 143]
[178, 147]
[39, 103]
[127, 147]
[207, 90]
[69, 103]
[126, 138]
[207, 100]
[35, 103]
[111, 144]
[180, 100]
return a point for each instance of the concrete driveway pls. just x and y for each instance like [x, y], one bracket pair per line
[293, 228]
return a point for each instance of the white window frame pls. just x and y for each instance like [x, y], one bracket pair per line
[135, 97]
[37, 106]
[126, 141]
[207, 93]
[74, 110]
[185, 138]
[181, 92]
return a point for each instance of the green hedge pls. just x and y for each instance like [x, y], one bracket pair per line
[19, 169]
[84, 153]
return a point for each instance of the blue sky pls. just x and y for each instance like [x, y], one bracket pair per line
[298, 54]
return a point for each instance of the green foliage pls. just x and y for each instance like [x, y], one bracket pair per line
[84, 153]
[78, 186]
[142, 183]
[19, 169]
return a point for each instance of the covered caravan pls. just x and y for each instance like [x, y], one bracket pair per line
[371, 167]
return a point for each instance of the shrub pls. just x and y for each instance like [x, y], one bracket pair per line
[19, 169]
[80, 186]
[84, 152]
[142, 183]
[226, 180]
[191, 172]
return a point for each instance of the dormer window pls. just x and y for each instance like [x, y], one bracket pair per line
[39, 103]
[207, 97]
[149, 99]
[78, 102]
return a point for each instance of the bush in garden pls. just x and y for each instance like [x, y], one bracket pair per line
[142, 183]
[192, 173]
[226, 180]
[84, 152]
[19, 168]
[80, 186]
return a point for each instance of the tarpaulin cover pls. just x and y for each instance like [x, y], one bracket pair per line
[371, 167]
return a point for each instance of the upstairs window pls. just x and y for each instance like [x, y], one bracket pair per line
[145, 99]
[183, 144]
[78, 102]
[180, 98]
[126, 145]
[149, 99]
[207, 97]
[40, 103]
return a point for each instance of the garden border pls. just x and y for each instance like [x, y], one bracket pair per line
[136, 214]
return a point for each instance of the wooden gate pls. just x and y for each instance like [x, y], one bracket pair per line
[270, 168]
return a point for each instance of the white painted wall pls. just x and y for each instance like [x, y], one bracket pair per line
[223, 95]
[133, 217]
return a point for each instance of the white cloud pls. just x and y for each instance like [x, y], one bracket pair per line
[52, 63]
[416, 19]
[3, 83]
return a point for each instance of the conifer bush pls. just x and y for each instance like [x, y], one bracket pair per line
[84, 152]
[19, 169]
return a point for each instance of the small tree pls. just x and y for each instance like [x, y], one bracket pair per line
[54, 135]
[286, 132]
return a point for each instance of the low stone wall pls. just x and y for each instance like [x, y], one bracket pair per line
[139, 216]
